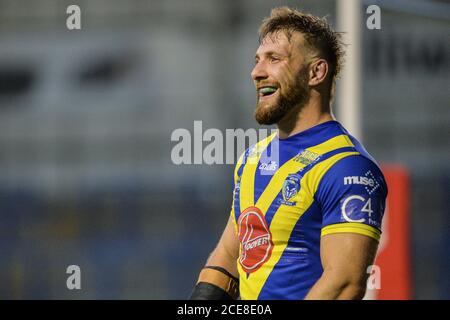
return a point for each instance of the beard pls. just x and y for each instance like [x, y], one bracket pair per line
[296, 94]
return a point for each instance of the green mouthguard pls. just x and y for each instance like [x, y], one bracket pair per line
[268, 90]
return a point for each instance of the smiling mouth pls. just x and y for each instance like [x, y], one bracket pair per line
[268, 91]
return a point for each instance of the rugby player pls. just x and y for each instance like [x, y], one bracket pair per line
[308, 200]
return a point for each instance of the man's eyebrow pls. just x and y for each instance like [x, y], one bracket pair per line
[268, 54]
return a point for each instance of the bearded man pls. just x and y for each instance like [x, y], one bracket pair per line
[306, 226]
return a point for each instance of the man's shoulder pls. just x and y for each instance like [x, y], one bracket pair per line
[355, 171]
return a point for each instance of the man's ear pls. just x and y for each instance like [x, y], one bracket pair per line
[318, 72]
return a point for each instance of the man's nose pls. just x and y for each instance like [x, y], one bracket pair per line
[259, 72]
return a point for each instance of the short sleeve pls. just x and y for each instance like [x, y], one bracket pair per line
[352, 196]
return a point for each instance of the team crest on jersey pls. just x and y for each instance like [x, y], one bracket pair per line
[291, 187]
[255, 238]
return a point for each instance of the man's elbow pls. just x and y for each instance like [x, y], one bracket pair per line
[353, 291]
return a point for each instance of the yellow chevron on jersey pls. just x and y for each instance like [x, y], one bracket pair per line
[248, 175]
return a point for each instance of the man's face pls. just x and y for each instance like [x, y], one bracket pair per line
[280, 76]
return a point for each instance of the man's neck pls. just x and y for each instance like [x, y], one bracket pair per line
[307, 117]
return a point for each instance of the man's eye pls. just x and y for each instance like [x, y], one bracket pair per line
[274, 59]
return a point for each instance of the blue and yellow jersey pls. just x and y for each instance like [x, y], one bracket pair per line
[290, 192]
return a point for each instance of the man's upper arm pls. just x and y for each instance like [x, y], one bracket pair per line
[229, 239]
[352, 197]
[346, 256]
[227, 250]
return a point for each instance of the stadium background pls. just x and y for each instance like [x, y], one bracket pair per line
[86, 117]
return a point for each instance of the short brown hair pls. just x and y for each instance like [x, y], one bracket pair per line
[316, 31]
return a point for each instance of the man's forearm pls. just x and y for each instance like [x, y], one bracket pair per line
[222, 258]
[217, 280]
[330, 288]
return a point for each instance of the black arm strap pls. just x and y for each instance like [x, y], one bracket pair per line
[224, 271]
[215, 285]
[208, 291]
